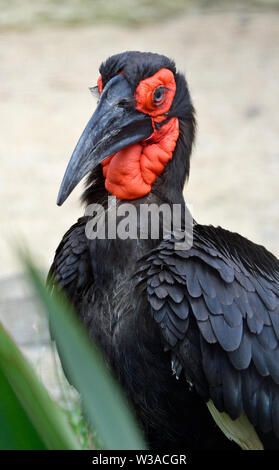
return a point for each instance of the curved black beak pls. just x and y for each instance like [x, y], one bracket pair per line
[114, 125]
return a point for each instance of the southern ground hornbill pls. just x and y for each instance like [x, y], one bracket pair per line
[192, 334]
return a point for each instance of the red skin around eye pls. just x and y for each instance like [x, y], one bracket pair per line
[146, 88]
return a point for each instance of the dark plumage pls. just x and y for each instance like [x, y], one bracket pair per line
[179, 327]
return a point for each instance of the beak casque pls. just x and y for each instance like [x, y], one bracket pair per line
[112, 127]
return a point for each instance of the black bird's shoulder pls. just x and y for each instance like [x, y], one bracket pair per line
[71, 270]
[255, 258]
[217, 304]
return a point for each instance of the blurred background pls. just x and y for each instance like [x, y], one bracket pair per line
[50, 52]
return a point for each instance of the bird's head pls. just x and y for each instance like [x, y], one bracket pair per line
[141, 131]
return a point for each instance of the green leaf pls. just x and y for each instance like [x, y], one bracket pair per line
[29, 419]
[16, 430]
[106, 408]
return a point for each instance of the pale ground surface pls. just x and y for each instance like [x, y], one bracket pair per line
[232, 66]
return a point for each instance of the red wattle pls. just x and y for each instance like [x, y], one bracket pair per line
[129, 173]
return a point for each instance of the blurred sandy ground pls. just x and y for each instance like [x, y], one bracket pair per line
[232, 65]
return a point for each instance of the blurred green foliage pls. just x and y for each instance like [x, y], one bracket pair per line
[30, 419]
[22, 14]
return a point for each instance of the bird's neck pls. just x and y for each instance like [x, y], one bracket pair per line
[165, 197]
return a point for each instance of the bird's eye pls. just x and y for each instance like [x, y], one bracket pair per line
[158, 94]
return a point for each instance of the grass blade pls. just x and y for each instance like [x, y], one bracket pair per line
[28, 417]
[106, 409]
[16, 430]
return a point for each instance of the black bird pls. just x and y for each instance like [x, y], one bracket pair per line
[192, 334]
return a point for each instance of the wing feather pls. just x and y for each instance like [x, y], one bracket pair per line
[70, 269]
[226, 289]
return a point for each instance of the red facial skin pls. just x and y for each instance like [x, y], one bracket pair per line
[130, 173]
[100, 84]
